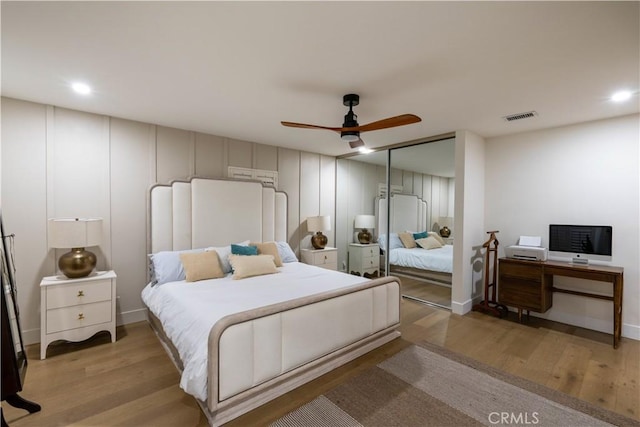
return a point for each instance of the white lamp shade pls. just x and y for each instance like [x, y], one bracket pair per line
[365, 221]
[445, 221]
[319, 223]
[75, 232]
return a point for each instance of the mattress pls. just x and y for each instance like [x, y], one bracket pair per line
[439, 259]
[188, 311]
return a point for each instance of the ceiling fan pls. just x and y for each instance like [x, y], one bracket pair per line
[350, 130]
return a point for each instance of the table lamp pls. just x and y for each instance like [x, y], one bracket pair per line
[76, 234]
[365, 222]
[318, 224]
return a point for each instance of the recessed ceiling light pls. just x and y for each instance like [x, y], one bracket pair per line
[623, 95]
[81, 88]
[365, 150]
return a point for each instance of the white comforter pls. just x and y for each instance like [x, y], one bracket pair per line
[440, 259]
[188, 311]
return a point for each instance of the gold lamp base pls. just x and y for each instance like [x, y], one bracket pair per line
[319, 240]
[445, 232]
[77, 263]
[364, 237]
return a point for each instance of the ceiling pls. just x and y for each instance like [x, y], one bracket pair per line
[236, 69]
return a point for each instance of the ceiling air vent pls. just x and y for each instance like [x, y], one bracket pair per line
[520, 116]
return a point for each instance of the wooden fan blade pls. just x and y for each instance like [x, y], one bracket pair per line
[305, 126]
[357, 143]
[391, 122]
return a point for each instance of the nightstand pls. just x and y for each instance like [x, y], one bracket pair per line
[364, 259]
[76, 309]
[325, 258]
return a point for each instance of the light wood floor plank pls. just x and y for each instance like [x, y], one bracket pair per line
[132, 382]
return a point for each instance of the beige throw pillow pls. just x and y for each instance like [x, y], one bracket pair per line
[428, 243]
[407, 240]
[249, 266]
[201, 265]
[269, 248]
[437, 237]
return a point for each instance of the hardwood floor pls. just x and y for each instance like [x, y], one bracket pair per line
[426, 291]
[132, 382]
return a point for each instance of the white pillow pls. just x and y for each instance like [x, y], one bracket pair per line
[250, 266]
[166, 266]
[394, 241]
[286, 253]
[223, 253]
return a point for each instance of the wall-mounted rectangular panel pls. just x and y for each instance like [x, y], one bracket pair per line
[265, 157]
[24, 203]
[131, 178]
[78, 166]
[175, 152]
[210, 156]
[240, 153]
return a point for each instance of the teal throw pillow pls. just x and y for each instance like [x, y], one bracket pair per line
[422, 235]
[244, 250]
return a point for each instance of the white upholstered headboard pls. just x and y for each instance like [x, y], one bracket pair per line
[214, 212]
[408, 213]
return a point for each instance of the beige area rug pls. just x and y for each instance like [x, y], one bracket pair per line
[426, 385]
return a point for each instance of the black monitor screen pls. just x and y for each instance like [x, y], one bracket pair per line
[582, 239]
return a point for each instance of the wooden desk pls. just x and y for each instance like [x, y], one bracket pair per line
[528, 285]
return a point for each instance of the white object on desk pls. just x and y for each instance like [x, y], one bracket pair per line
[77, 309]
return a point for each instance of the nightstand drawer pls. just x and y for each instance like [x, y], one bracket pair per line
[322, 258]
[66, 318]
[370, 262]
[80, 293]
[370, 251]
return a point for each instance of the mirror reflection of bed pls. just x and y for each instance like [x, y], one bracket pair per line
[417, 251]
[425, 170]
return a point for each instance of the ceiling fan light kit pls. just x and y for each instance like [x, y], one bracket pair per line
[350, 130]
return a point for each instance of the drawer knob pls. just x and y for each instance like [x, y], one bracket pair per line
[325, 257]
[80, 293]
[80, 316]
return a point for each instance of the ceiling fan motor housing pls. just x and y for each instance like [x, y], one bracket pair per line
[350, 119]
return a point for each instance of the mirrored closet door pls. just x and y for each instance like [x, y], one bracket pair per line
[421, 205]
[420, 210]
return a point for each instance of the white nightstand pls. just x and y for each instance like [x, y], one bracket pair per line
[325, 258]
[364, 259]
[76, 309]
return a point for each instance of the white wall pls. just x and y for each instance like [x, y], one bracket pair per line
[582, 174]
[59, 162]
[470, 231]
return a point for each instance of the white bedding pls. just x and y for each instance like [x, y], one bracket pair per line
[188, 311]
[440, 259]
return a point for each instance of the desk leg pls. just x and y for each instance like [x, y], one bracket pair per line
[617, 310]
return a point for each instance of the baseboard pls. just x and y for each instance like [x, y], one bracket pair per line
[461, 307]
[32, 336]
[132, 316]
[631, 331]
[606, 326]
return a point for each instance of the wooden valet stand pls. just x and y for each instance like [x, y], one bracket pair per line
[490, 304]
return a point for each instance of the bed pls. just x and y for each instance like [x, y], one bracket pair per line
[409, 213]
[242, 343]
